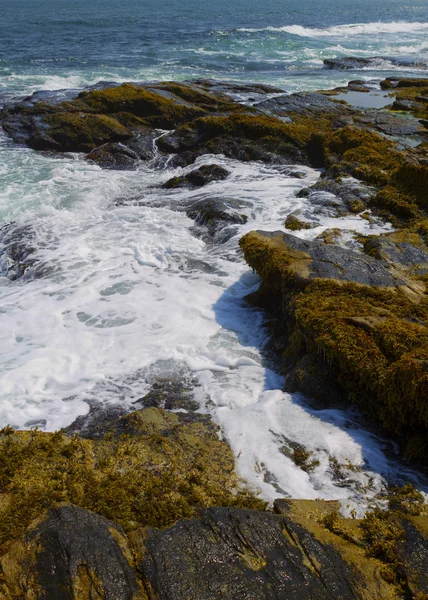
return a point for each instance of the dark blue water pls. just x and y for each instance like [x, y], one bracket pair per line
[62, 43]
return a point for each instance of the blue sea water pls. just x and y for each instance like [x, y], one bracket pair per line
[70, 43]
[129, 291]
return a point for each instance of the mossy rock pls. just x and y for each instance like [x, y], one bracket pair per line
[153, 468]
[372, 334]
[294, 224]
[83, 132]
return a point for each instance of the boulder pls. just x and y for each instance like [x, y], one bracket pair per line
[71, 553]
[214, 213]
[199, 177]
[114, 156]
[229, 553]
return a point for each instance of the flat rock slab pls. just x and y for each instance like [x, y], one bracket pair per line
[328, 261]
[302, 103]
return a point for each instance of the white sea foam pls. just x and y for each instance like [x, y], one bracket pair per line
[130, 292]
[352, 29]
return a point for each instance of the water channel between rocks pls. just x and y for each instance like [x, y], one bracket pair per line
[134, 290]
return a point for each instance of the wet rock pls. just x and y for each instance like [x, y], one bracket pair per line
[352, 62]
[72, 553]
[217, 212]
[413, 552]
[199, 177]
[410, 254]
[315, 259]
[344, 195]
[230, 553]
[99, 421]
[18, 252]
[315, 380]
[302, 103]
[114, 156]
[392, 125]
[294, 224]
[239, 91]
[169, 394]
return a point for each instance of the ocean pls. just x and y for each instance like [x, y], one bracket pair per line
[130, 293]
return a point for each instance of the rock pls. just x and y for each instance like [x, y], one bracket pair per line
[18, 252]
[353, 62]
[216, 212]
[344, 195]
[392, 125]
[169, 394]
[294, 224]
[410, 254]
[199, 177]
[363, 322]
[229, 553]
[309, 260]
[114, 156]
[315, 380]
[302, 103]
[71, 553]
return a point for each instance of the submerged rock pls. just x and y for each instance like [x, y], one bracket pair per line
[354, 62]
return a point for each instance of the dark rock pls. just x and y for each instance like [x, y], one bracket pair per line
[18, 252]
[345, 195]
[314, 379]
[391, 124]
[301, 103]
[114, 156]
[199, 177]
[74, 554]
[375, 62]
[413, 554]
[216, 212]
[99, 421]
[231, 554]
[407, 254]
[316, 259]
[169, 394]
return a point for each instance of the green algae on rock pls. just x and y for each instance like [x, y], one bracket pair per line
[160, 468]
[368, 321]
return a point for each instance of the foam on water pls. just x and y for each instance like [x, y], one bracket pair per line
[350, 29]
[129, 291]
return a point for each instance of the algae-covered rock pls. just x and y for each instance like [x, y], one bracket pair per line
[363, 323]
[71, 554]
[294, 224]
[151, 467]
[281, 257]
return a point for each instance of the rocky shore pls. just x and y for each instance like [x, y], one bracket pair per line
[147, 504]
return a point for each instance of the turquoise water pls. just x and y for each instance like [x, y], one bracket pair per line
[61, 43]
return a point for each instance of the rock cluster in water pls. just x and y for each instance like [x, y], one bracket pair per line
[101, 510]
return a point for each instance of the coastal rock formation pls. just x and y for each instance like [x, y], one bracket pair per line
[305, 550]
[147, 504]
